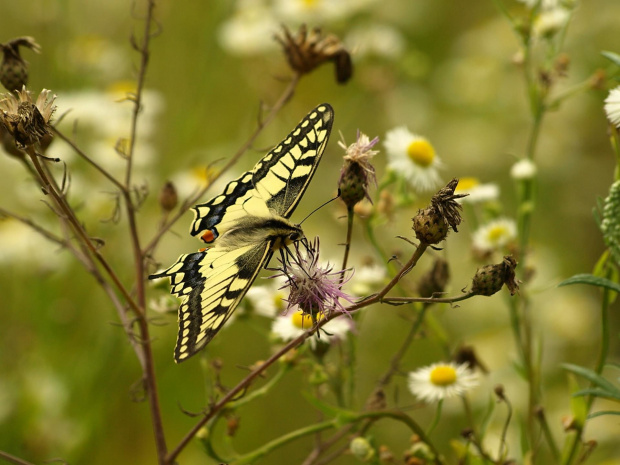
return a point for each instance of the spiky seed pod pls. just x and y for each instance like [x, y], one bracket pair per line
[14, 69]
[168, 198]
[25, 120]
[430, 226]
[435, 280]
[490, 278]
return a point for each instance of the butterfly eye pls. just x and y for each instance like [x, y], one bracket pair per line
[294, 236]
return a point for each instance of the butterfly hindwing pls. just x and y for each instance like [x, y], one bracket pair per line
[279, 178]
[211, 283]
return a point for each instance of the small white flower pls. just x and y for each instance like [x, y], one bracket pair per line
[295, 323]
[374, 39]
[612, 106]
[366, 278]
[544, 4]
[250, 30]
[413, 157]
[495, 235]
[549, 22]
[441, 380]
[267, 300]
[523, 169]
[477, 192]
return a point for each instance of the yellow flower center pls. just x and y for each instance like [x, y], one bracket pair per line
[120, 89]
[467, 184]
[421, 152]
[443, 375]
[497, 233]
[310, 3]
[278, 300]
[203, 174]
[303, 320]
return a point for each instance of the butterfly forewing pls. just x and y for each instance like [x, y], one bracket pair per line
[279, 178]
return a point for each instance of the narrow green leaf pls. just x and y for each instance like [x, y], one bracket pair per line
[603, 412]
[591, 280]
[343, 416]
[597, 392]
[611, 56]
[591, 376]
[578, 406]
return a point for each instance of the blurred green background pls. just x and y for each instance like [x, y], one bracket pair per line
[447, 71]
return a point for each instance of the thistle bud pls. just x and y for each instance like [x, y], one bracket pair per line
[430, 226]
[490, 278]
[168, 198]
[357, 171]
[362, 449]
[14, 69]
[435, 280]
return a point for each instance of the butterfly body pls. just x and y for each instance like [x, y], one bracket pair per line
[245, 225]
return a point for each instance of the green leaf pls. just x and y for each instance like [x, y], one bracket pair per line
[597, 392]
[611, 56]
[593, 377]
[591, 280]
[603, 412]
[578, 406]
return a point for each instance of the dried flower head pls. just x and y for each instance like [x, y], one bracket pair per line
[357, 171]
[305, 51]
[14, 69]
[490, 278]
[431, 225]
[314, 289]
[435, 280]
[25, 120]
[168, 197]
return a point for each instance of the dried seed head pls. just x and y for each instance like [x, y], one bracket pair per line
[429, 226]
[357, 171]
[14, 69]
[435, 280]
[168, 198]
[490, 278]
[305, 51]
[467, 355]
[432, 224]
[25, 120]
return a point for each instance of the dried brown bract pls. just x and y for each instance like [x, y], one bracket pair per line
[14, 69]
[26, 121]
[305, 51]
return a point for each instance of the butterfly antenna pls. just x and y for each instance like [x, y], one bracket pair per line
[318, 208]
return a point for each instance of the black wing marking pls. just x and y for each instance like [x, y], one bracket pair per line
[211, 284]
[279, 178]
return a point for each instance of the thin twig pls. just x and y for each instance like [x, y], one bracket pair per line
[12, 459]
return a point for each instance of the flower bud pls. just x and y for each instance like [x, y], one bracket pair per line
[362, 449]
[435, 280]
[490, 278]
[430, 226]
[168, 198]
[352, 184]
[14, 69]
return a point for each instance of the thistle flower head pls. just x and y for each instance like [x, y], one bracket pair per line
[314, 289]
[357, 171]
[25, 120]
[306, 51]
[14, 69]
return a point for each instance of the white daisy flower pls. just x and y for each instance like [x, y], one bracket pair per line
[295, 323]
[374, 39]
[612, 106]
[526, 168]
[477, 193]
[441, 380]
[544, 4]
[495, 235]
[413, 157]
[366, 278]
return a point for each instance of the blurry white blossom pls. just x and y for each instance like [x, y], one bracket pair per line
[549, 22]
[495, 235]
[374, 39]
[250, 30]
[413, 158]
[612, 106]
[267, 300]
[295, 323]
[523, 169]
[476, 191]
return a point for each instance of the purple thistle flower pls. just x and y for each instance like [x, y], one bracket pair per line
[315, 289]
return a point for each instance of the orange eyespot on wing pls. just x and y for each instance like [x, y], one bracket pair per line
[208, 236]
